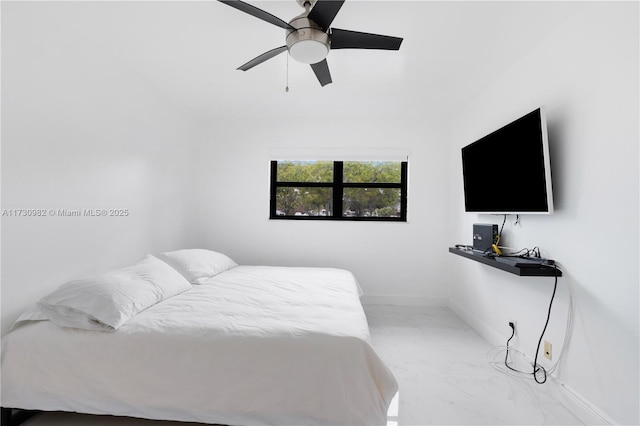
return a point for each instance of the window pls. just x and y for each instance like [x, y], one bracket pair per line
[339, 190]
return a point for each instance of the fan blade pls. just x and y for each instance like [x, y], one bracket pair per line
[260, 59]
[258, 13]
[321, 69]
[345, 39]
[324, 12]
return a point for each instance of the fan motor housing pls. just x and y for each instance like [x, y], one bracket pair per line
[304, 3]
[308, 43]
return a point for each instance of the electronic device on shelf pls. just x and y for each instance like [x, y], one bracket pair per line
[508, 171]
[521, 262]
[485, 235]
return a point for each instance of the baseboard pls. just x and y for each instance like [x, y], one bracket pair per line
[584, 410]
[373, 299]
[588, 413]
[489, 334]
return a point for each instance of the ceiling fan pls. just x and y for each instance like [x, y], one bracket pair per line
[309, 36]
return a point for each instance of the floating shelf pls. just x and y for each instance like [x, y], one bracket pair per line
[542, 271]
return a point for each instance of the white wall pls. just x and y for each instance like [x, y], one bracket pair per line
[81, 131]
[586, 74]
[389, 259]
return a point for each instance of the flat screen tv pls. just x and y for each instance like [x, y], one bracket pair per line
[508, 171]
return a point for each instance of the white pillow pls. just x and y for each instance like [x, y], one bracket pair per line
[198, 265]
[107, 301]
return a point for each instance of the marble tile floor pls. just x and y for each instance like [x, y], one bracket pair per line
[440, 364]
[444, 378]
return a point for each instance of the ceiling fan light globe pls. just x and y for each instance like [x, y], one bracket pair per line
[308, 51]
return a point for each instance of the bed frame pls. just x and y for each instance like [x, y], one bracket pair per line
[13, 417]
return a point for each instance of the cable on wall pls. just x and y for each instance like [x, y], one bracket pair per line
[538, 372]
[568, 329]
[538, 368]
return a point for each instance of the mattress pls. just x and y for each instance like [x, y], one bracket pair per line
[255, 345]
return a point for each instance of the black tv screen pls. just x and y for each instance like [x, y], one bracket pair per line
[508, 171]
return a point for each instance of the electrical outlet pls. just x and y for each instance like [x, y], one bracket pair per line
[547, 350]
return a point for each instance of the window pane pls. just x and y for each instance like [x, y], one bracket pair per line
[301, 201]
[372, 172]
[371, 202]
[305, 171]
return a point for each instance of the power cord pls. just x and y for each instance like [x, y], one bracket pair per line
[502, 227]
[494, 246]
[525, 252]
[537, 369]
[506, 355]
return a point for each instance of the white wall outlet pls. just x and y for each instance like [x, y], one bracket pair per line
[547, 350]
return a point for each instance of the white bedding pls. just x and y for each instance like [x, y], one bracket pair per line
[253, 345]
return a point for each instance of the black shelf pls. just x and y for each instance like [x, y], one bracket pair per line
[542, 271]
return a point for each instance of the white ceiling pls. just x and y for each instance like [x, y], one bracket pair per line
[189, 51]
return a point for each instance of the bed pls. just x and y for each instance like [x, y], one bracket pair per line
[248, 345]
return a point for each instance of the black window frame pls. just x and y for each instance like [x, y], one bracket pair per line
[338, 185]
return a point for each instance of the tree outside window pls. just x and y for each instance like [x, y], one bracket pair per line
[353, 190]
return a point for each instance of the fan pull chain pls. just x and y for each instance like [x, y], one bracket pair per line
[287, 87]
